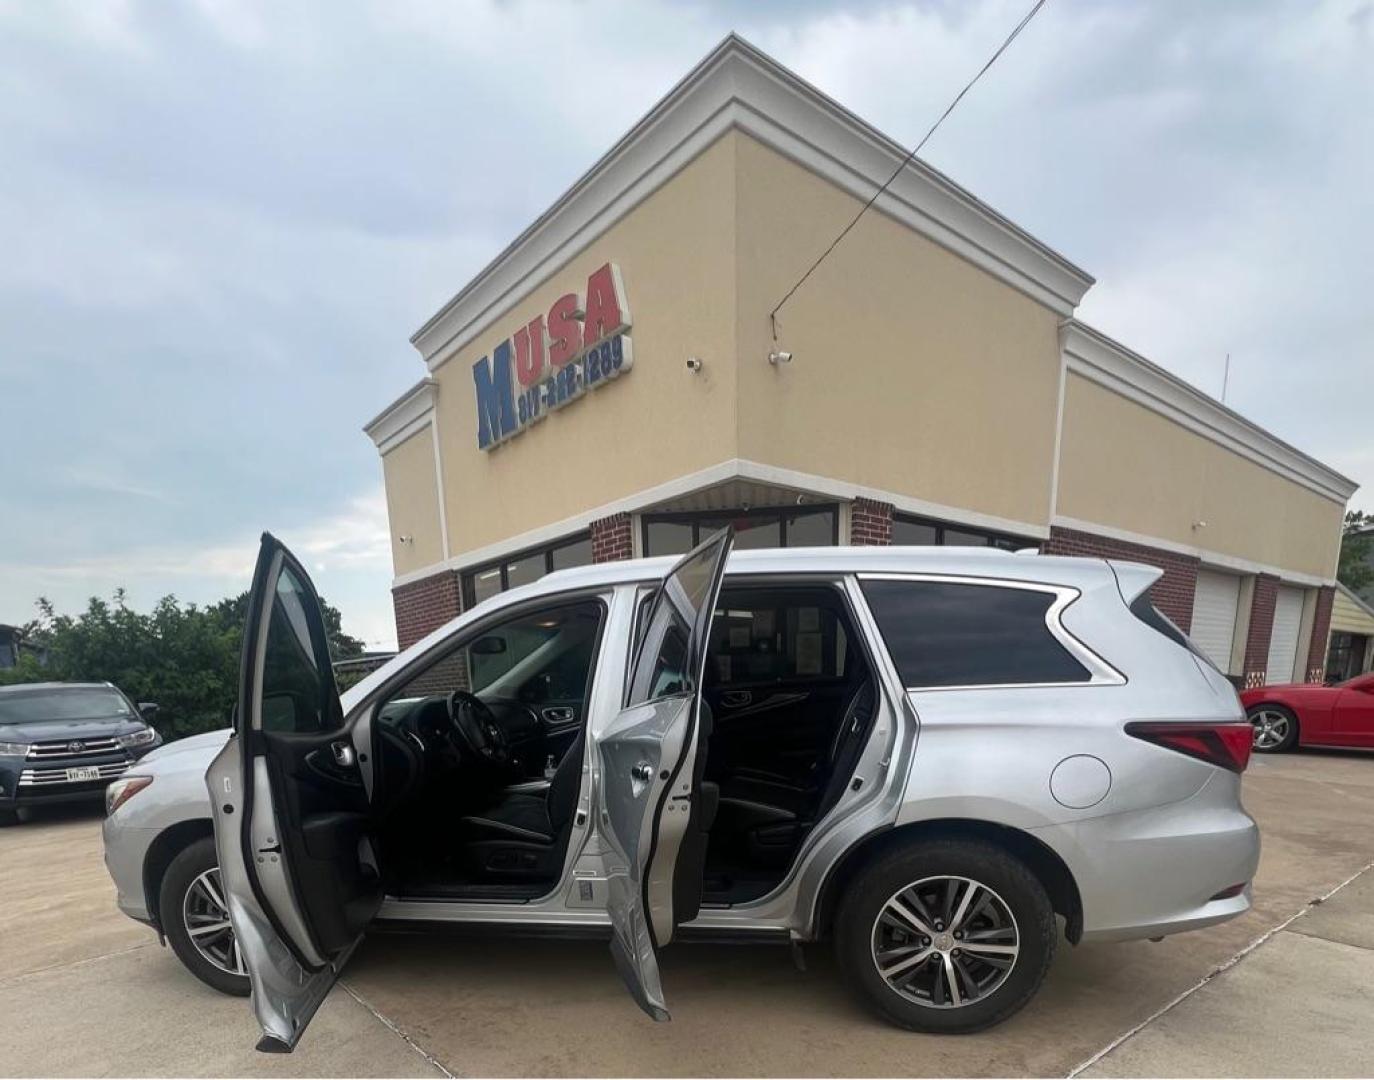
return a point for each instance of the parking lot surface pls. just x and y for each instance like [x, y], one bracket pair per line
[84, 991]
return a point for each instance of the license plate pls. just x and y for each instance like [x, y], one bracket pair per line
[90, 772]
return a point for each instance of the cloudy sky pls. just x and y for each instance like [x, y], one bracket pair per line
[220, 223]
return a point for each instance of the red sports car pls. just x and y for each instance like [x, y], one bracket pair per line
[1303, 714]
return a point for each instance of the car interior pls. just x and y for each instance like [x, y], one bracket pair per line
[480, 756]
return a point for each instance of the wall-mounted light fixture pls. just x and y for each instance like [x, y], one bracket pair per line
[779, 356]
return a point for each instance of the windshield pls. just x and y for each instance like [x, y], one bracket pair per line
[74, 704]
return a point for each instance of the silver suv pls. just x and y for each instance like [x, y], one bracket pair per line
[941, 759]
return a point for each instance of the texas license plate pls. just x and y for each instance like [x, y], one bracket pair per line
[90, 772]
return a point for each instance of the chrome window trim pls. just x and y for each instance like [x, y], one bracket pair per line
[1100, 673]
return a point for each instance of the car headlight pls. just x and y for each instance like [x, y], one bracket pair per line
[137, 738]
[17, 749]
[122, 790]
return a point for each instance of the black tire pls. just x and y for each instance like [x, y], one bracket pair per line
[1019, 891]
[1290, 737]
[189, 864]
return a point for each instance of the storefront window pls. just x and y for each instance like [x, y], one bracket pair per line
[578, 553]
[907, 533]
[1345, 659]
[750, 532]
[913, 531]
[526, 571]
[529, 566]
[668, 537]
[484, 584]
[810, 529]
[673, 534]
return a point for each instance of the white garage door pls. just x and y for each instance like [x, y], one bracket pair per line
[1214, 615]
[1283, 639]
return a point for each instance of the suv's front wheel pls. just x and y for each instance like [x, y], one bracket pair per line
[946, 935]
[195, 918]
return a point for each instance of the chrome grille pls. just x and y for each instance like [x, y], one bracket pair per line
[47, 777]
[64, 748]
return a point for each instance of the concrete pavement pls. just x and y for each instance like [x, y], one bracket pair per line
[83, 991]
[1313, 982]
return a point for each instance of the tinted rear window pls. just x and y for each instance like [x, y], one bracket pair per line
[946, 634]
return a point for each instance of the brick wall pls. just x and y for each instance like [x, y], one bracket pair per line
[1321, 631]
[1261, 629]
[611, 539]
[870, 523]
[425, 605]
[1172, 594]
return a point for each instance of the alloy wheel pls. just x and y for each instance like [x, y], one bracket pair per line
[1271, 728]
[207, 923]
[945, 942]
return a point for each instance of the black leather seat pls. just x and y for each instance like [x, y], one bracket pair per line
[769, 814]
[532, 819]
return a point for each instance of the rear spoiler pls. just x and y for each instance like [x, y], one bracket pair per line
[1133, 578]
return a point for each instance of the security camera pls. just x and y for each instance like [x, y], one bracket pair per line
[779, 356]
[693, 364]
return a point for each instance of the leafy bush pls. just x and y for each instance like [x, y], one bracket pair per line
[184, 657]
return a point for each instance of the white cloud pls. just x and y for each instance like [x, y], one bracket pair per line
[349, 553]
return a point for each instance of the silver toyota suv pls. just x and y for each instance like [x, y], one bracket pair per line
[941, 759]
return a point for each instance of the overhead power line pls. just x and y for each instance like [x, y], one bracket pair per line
[772, 315]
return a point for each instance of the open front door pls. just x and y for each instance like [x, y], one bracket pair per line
[655, 811]
[291, 810]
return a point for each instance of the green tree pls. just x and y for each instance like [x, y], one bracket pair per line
[184, 657]
[1354, 570]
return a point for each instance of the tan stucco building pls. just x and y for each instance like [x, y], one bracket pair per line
[612, 385]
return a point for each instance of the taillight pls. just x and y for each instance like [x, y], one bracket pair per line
[1227, 745]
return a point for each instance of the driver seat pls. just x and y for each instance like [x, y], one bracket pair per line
[521, 836]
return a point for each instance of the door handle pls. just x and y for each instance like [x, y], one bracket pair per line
[343, 755]
[558, 714]
[643, 772]
[733, 699]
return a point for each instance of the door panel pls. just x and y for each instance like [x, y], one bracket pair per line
[644, 744]
[655, 808]
[778, 729]
[1353, 716]
[292, 813]
[286, 991]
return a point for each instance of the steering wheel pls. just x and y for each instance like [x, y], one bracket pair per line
[476, 725]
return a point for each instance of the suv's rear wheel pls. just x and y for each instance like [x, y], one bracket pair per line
[946, 935]
[194, 917]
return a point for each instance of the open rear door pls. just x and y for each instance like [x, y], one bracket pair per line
[655, 811]
[291, 810]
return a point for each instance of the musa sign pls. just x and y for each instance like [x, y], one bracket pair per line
[550, 361]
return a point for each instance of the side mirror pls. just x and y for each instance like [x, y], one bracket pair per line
[148, 709]
[488, 646]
